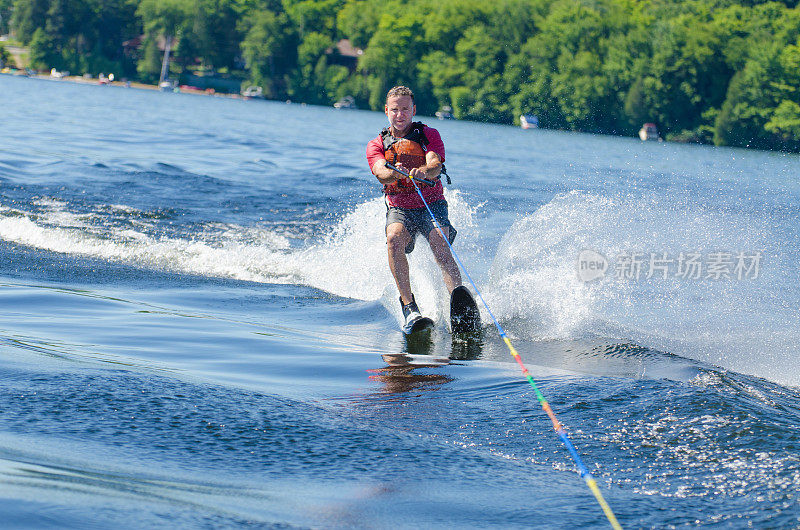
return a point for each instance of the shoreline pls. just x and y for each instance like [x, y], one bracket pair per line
[184, 89]
[124, 84]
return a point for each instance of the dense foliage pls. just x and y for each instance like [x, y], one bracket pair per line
[721, 71]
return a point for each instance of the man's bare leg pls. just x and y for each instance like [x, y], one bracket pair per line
[441, 252]
[397, 238]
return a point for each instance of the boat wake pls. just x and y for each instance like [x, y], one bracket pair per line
[350, 261]
[745, 322]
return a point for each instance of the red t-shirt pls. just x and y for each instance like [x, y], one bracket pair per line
[411, 200]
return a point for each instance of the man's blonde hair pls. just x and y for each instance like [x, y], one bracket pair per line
[400, 90]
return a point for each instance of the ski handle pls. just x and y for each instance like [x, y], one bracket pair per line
[424, 181]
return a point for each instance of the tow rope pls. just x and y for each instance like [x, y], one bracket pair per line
[584, 472]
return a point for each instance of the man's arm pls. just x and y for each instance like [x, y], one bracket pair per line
[431, 169]
[375, 157]
[383, 173]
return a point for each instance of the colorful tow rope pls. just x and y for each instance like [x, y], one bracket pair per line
[584, 472]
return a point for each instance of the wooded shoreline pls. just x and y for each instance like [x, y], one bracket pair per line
[725, 72]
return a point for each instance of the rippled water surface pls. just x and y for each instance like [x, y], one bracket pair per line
[198, 327]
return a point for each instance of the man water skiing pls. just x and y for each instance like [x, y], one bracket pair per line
[417, 150]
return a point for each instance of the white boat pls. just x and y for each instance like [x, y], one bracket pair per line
[649, 132]
[446, 113]
[529, 121]
[253, 92]
[347, 102]
[168, 85]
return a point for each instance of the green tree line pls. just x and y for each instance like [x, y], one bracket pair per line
[721, 71]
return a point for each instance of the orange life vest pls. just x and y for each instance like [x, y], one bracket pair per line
[409, 151]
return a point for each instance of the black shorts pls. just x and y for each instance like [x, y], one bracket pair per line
[418, 220]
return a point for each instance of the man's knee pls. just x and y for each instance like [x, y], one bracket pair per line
[435, 238]
[438, 244]
[397, 237]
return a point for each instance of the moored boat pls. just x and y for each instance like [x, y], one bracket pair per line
[649, 131]
[529, 121]
[446, 113]
[253, 92]
[347, 102]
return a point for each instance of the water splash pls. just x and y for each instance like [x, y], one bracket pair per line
[748, 324]
[350, 261]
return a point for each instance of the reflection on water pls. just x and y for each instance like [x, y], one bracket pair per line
[398, 378]
[402, 371]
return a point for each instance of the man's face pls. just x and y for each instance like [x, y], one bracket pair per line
[400, 110]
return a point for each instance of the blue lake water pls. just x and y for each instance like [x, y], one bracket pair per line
[198, 326]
